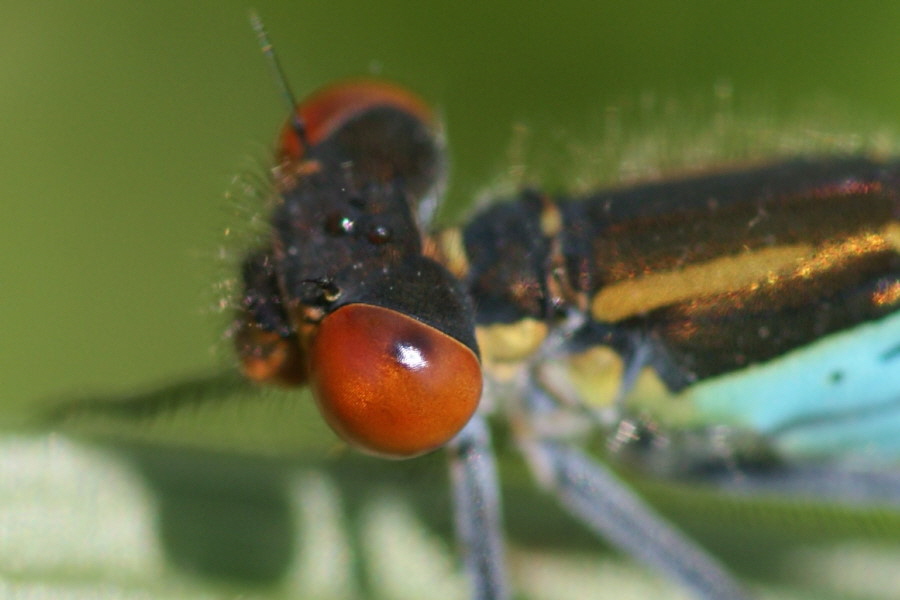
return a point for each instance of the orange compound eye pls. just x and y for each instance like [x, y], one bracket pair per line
[329, 108]
[390, 385]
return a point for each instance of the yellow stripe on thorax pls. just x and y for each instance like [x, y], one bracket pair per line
[746, 271]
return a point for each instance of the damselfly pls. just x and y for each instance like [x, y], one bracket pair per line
[761, 302]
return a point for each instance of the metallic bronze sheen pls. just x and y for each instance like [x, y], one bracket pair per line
[715, 272]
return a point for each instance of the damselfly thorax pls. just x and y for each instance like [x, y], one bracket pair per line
[714, 294]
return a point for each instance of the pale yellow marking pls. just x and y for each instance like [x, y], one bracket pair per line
[651, 396]
[511, 342]
[832, 254]
[635, 296]
[891, 233]
[596, 374]
[748, 271]
[551, 220]
[448, 248]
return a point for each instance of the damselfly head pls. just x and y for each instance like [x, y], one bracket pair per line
[343, 297]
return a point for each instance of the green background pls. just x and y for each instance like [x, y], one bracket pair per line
[123, 124]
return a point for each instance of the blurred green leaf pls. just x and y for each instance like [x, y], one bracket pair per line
[206, 489]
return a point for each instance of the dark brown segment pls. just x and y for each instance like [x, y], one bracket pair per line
[731, 269]
[508, 257]
[666, 226]
[263, 337]
[729, 331]
[262, 303]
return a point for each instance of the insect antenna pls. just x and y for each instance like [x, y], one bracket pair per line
[268, 51]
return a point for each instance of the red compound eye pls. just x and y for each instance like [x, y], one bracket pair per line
[328, 109]
[390, 385]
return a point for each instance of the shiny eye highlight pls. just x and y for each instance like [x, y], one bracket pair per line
[391, 385]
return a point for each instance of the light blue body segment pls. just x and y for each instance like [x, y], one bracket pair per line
[837, 399]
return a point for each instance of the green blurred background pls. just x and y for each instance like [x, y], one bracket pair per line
[124, 123]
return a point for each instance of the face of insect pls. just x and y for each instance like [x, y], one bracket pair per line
[344, 297]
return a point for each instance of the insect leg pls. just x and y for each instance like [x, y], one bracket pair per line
[599, 499]
[476, 496]
[830, 483]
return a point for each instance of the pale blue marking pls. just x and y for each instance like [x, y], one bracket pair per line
[838, 398]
